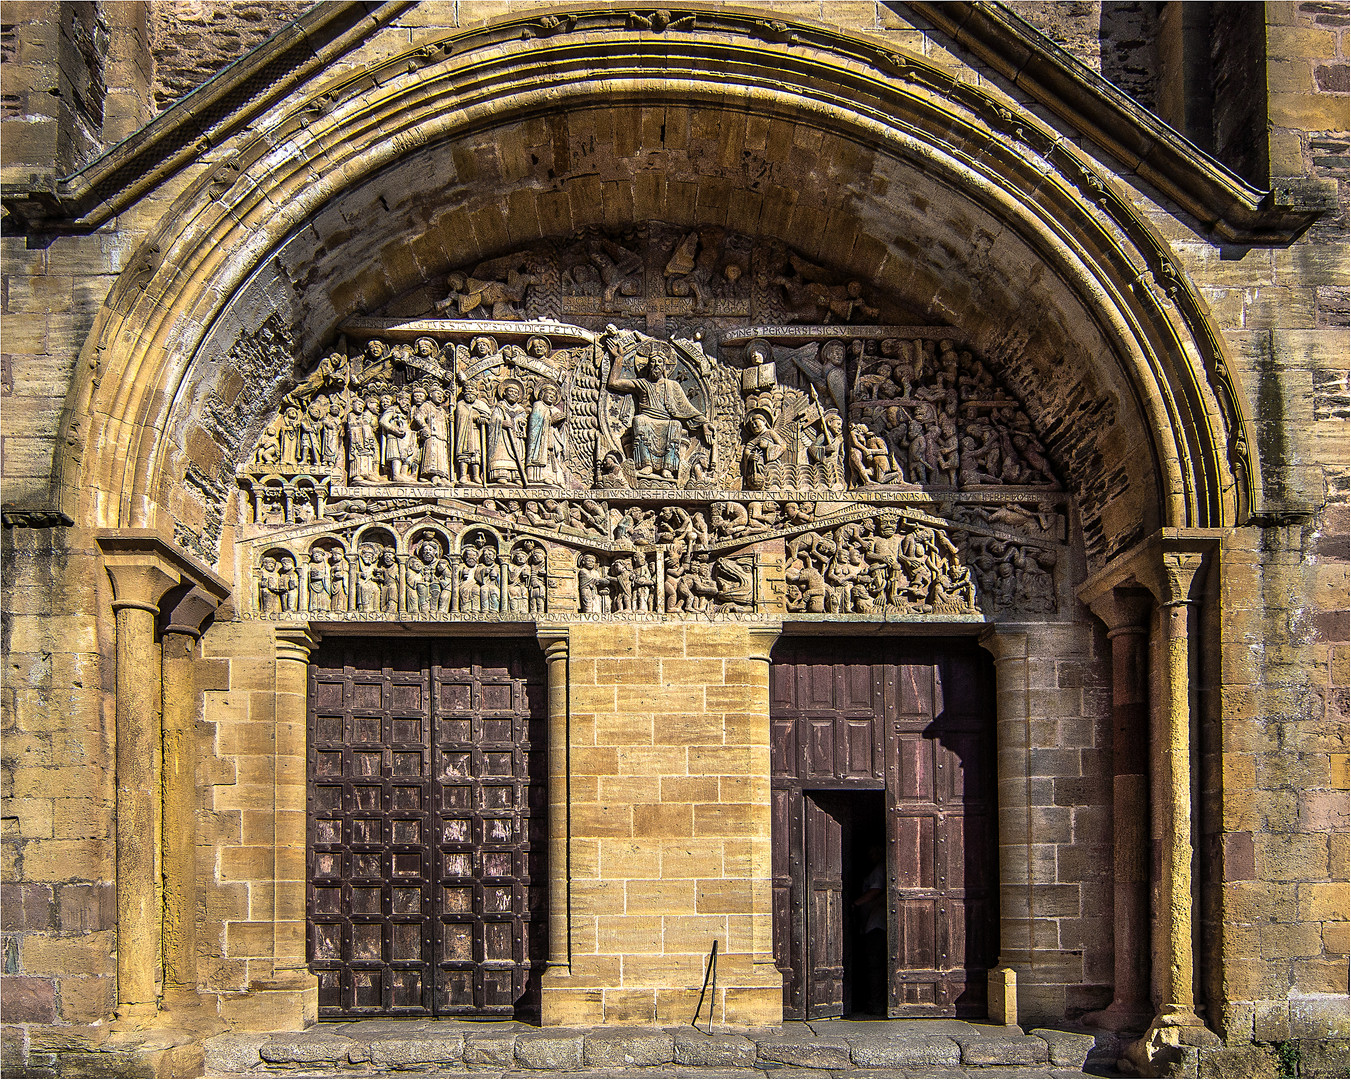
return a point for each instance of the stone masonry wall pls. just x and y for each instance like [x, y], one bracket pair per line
[669, 744]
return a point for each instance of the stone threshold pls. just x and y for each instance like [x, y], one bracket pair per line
[506, 1048]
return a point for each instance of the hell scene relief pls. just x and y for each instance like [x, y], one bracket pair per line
[651, 425]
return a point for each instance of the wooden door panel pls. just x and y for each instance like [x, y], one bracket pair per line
[426, 828]
[825, 909]
[918, 717]
[858, 743]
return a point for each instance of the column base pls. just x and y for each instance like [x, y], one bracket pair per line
[1121, 1016]
[286, 1005]
[1174, 1028]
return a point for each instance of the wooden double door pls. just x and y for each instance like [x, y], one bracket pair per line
[883, 751]
[426, 829]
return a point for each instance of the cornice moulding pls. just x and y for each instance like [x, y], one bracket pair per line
[1224, 205]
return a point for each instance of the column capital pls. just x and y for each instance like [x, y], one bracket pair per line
[187, 613]
[1004, 644]
[1123, 609]
[1166, 564]
[139, 581]
[554, 639]
[762, 639]
[295, 642]
[143, 566]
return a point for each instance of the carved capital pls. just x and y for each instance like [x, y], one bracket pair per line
[553, 639]
[1178, 577]
[143, 567]
[139, 581]
[762, 639]
[295, 642]
[1004, 644]
[1123, 610]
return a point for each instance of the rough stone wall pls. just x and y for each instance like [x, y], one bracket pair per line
[191, 40]
[57, 909]
[1279, 843]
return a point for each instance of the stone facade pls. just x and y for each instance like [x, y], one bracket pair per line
[712, 329]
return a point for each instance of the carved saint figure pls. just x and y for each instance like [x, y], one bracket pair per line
[471, 417]
[363, 448]
[545, 448]
[506, 435]
[593, 587]
[760, 464]
[431, 425]
[269, 586]
[367, 585]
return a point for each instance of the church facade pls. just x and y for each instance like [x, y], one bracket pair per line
[508, 504]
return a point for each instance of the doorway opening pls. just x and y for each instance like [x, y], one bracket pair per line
[846, 847]
[889, 741]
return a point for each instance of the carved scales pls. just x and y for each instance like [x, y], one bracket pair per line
[646, 426]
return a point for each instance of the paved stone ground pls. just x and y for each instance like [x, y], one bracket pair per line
[831, 1048]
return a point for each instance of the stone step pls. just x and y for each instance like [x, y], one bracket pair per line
[819, 1048]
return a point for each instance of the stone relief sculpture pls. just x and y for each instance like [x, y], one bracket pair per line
[666, 454]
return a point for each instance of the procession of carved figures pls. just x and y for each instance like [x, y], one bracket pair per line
[707, 394]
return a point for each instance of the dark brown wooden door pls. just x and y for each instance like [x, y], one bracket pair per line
[426, 828]
[916, 719]
[825, 908]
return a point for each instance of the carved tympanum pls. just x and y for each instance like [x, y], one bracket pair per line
[654, 424]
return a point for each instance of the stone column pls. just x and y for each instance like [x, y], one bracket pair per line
[1176, 1024]
[1126, 613]
[182, 704]
[297, 989]
[554, 641]
[1012, 748]
[140, 581]
[762, 639]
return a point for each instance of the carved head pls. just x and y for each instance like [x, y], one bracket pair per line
[470, 555]
[759, 351]
[832, 352]
[387, 557]
[518, 556]
[537, 347]
[887, 523]
[386, 401]
[438, 396]
[732, 272]
[586, 561]
[482, 346]
[335, 408]
[512, 391]
[548, 393]
[660, 359]
[425, 346]
[456, 282]
[404, 398]
[854, 290]
[488, 555]
[419, 396]
[373, 403]
[367, 554]
[469, 394]
[269, 564]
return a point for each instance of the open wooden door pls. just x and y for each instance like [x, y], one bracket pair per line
[825, 907]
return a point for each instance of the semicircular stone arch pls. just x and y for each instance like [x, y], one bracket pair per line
[286, 243]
